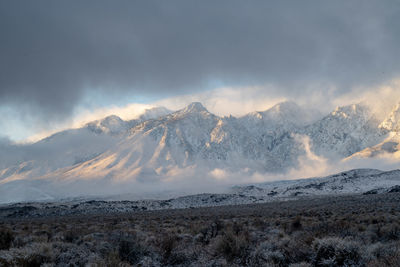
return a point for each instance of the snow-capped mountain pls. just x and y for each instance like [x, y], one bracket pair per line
[114, 125]
[285, 116]
[390, 146]
[154, 113]
[193, 138]
[164, 146]
[69, 147]
[345, 131]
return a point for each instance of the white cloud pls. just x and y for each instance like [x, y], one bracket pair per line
[380, 98]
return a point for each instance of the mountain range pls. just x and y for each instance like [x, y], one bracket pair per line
[163, 146]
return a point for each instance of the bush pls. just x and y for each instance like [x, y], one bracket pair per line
[380, 254]
[301, 264]
[336, 252]
[296, 224]
[233, 246]
[264, 256]
[296, 248]
[6, 238]
[210, 232]
[35, 254]
[71, 235]
[167, 245]
[390, 232]
[130, 250]
[34, 260]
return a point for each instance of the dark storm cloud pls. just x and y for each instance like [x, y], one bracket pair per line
[52, 51]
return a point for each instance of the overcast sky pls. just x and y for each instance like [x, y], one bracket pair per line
[59, 57]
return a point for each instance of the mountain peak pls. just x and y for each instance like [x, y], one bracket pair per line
[287, 114]
[112, 119]
[285, 105]
[195, 107]
[111, 124]
[154, 113]
[350, 111]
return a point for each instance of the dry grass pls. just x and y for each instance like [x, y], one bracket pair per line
[346, 231]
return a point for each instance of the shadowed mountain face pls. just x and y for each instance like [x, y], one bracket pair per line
[162, 145]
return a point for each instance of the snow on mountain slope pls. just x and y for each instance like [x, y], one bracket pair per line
[286, 115]
[188, 144]
[114, 125]
[191, 138]
[392, 122]
[390, 146]
[153, 147]
[63, 149]
[154, 113]
[345, 131]
[70, 147]
[194, 138]
[348, 182]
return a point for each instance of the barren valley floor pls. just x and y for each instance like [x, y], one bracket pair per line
[352, 230]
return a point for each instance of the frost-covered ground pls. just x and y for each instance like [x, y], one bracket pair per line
[360, 181]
